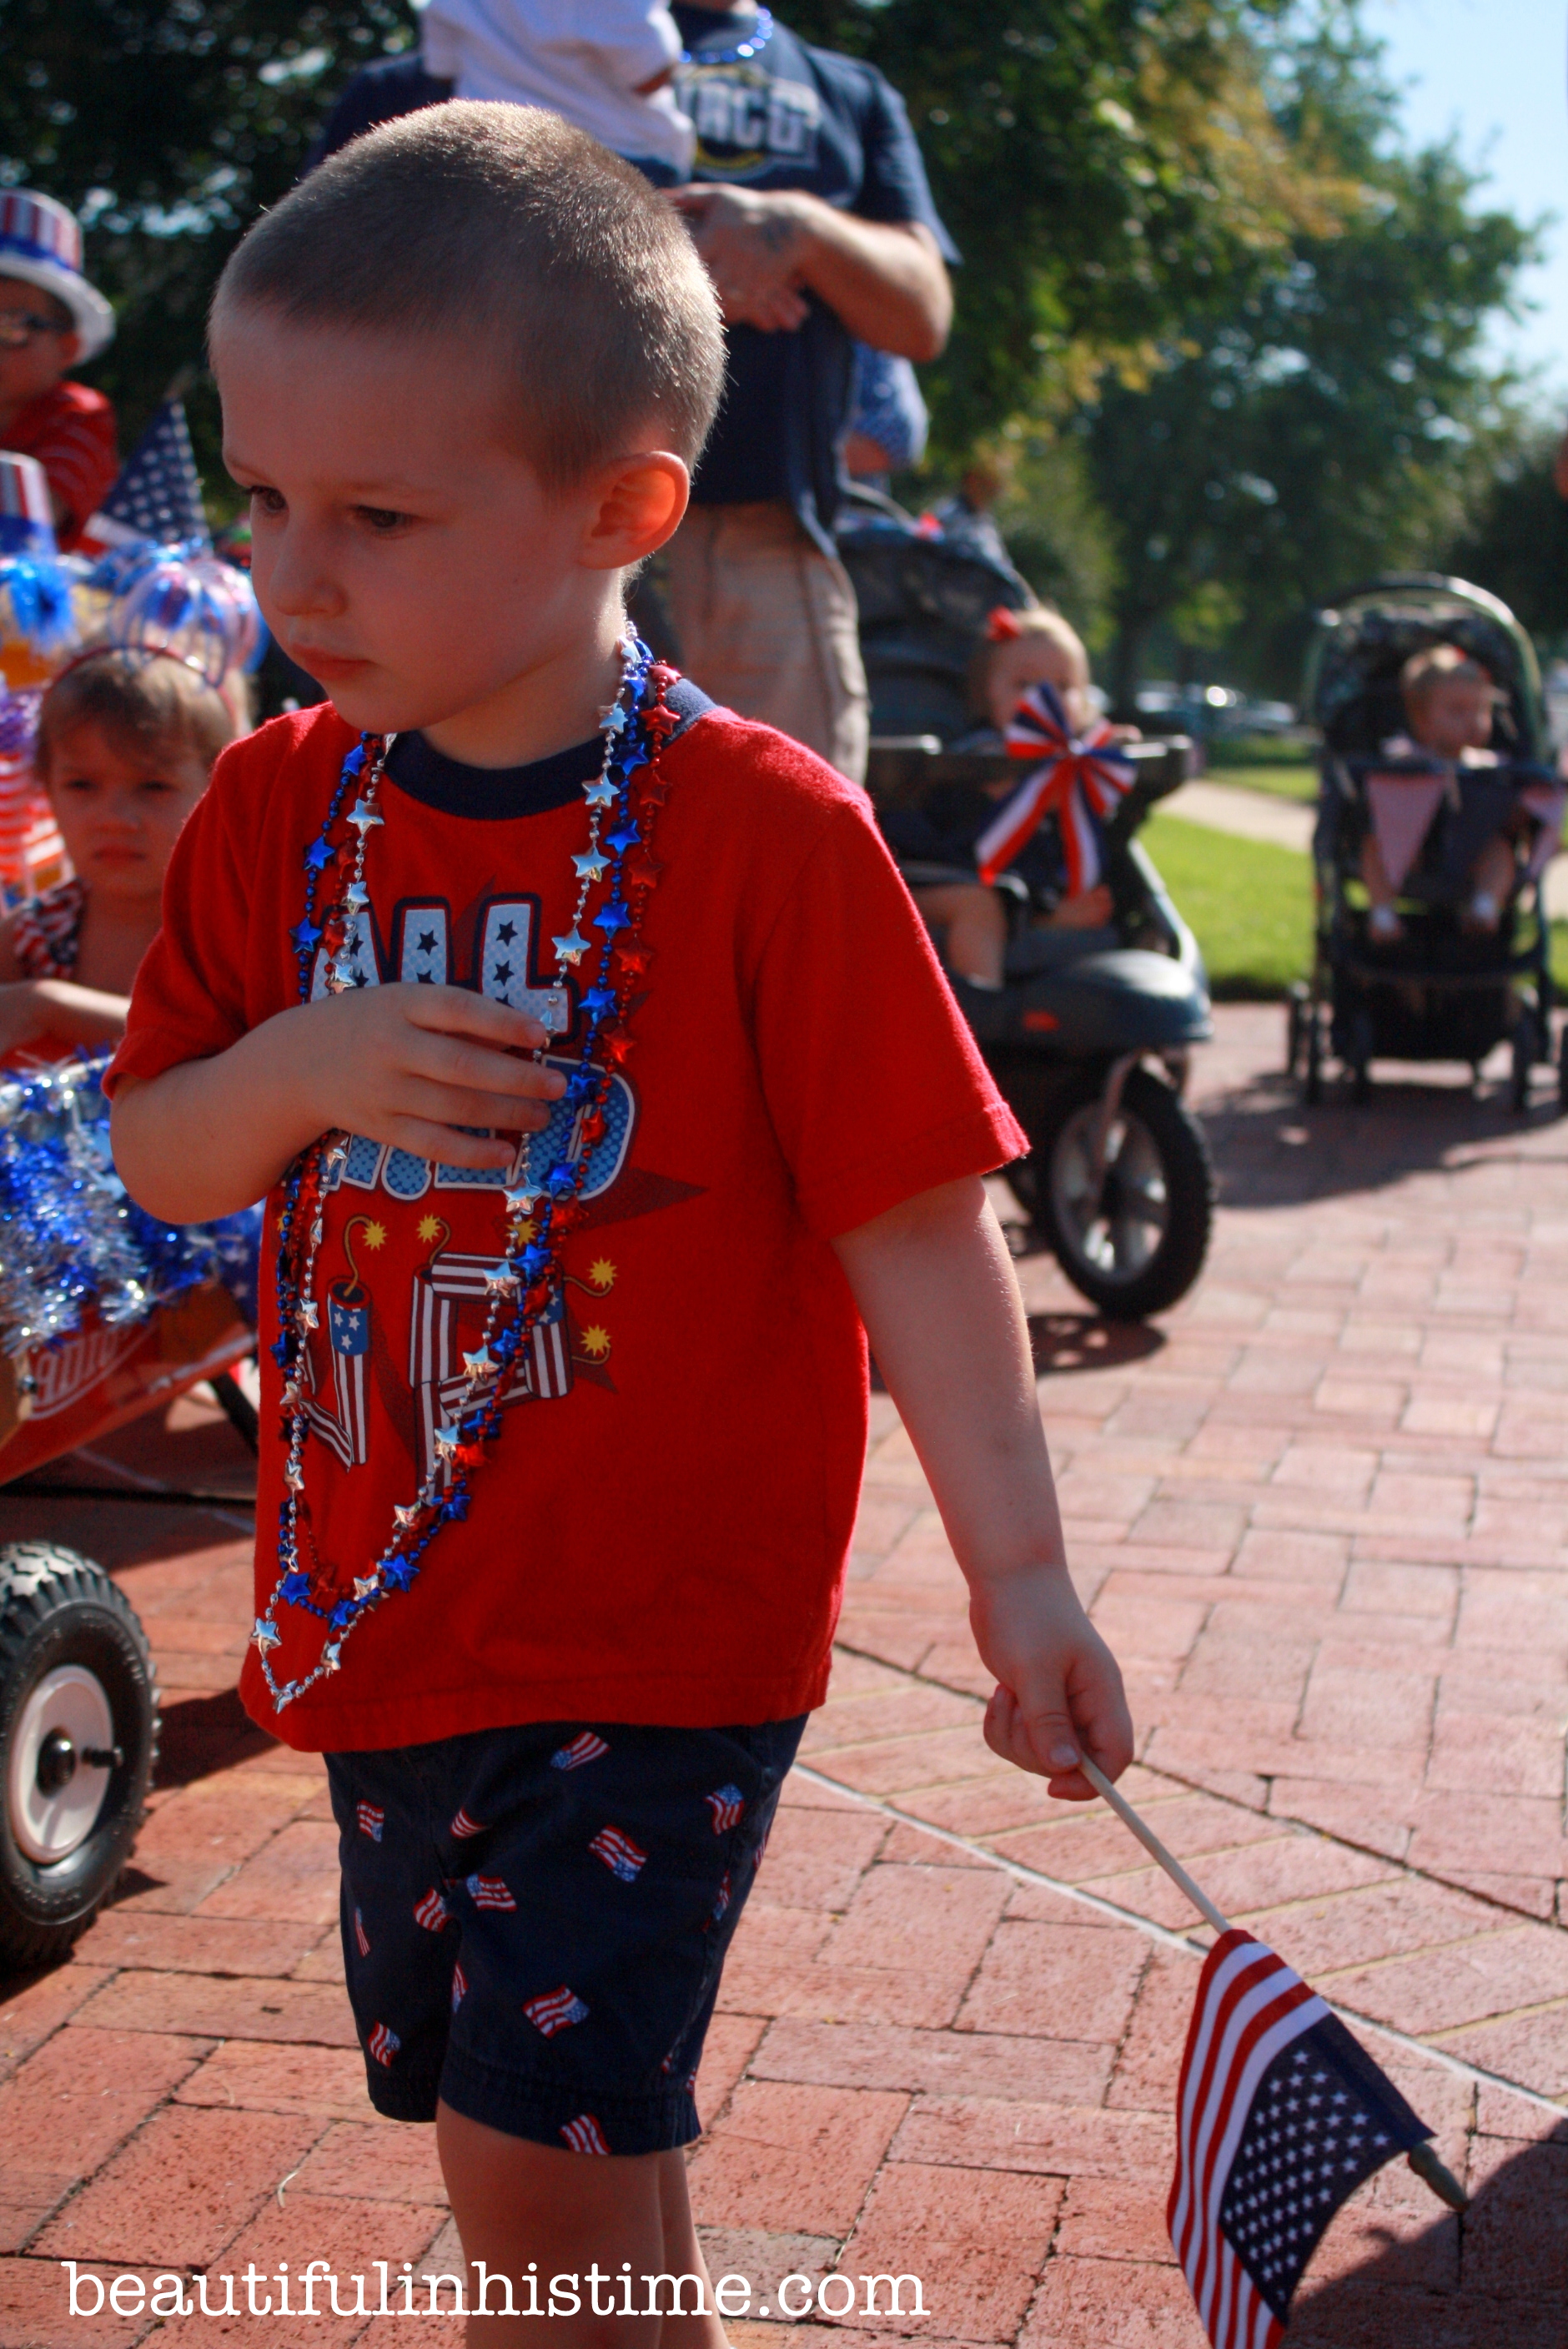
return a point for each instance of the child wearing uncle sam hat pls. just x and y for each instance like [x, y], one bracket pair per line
[607, 1093]
[52, 320]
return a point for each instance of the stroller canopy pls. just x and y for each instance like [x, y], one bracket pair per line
[1361, 644]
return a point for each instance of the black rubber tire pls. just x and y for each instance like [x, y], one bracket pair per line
[1189, 1179]
[55, 1609]
[1312, 1080]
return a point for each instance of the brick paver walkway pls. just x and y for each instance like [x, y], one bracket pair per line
[1324, 1514]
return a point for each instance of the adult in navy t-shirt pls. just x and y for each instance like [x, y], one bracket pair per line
[811, 206]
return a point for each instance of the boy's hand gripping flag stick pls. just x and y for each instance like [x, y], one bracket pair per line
[1281, 2113]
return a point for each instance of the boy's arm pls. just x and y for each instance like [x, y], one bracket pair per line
[58, 1006]
[936, 1290]
[410, 1065]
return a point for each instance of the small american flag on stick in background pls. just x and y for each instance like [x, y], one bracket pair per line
[158, 494]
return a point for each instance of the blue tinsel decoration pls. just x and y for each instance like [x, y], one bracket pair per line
[72, 1236]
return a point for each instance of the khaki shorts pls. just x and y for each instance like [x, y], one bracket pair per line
[768, 625]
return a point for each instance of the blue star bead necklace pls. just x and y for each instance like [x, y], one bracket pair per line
[527, 1275]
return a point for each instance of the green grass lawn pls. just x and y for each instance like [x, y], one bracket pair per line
[1249, 905]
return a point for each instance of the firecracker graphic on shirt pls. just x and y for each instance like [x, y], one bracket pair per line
[585, 1747]
[343, 1424]
[557, 2009]
[383, 2044]
[727, 1807]
[619, 1854]
[370, 1821]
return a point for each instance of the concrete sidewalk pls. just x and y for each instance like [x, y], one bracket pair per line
[1322, 1512]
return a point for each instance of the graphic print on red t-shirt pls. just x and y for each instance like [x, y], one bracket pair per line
[660, 1531]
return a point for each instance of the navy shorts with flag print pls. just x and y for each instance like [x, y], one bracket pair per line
[535, 1919]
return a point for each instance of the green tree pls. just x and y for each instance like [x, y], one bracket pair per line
[168, 125]
[1336, 420]
[1515, 541]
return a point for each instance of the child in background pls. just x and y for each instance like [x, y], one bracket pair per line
[1022, 648]
[1449, 701]
[52, 320]
[126, 745]
[607, 68]
[558, 1668]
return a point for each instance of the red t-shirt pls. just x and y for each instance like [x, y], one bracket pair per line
[71, 431]
[661, 1529]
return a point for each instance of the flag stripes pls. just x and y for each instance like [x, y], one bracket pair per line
[371, 1821]
[584, 1748]
[619, 1854]
[383, 2044]
[727, 1806]
[488, 1892]
[584, 2135]
[432, 1912]
[555, 2011]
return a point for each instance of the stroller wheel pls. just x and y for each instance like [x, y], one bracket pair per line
[1298, 1011]
[1312, 1081]
[78, 1737]
[1131, 1238]
[1523, 1062]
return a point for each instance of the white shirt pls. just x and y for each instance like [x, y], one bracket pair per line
[583, 59]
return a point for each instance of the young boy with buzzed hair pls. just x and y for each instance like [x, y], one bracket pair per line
[607, 1093]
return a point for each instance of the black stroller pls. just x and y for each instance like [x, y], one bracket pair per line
[1090, 1037]
[1436, 992]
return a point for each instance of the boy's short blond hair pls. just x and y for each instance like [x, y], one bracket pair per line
[470, 220]
[148, 704]
[1438, 665]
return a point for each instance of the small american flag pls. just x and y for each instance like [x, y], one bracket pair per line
[619, 1854]
[727, 1807]
[432, 1912]
[371, 1821]
[1280, 2116]
[556, 2011]
[384, 2045]
[1078, 782]
[463, 1827]
[159, 492]
[361, 1936]
[722, 1904]
[584, 2135]
[488, 1892]
[584, 1748]
[459, 1987]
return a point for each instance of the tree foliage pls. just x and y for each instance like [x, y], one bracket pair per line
[1332, 423]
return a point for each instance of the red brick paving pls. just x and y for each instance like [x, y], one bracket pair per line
[1322, 1512]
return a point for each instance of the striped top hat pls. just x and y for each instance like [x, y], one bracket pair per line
[27, 517]
[41, 243]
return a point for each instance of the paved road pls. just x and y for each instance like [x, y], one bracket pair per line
[1322, 1512]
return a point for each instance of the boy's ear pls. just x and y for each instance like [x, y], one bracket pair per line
[638, 504]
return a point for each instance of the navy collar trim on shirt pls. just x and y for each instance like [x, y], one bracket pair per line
[500, 794]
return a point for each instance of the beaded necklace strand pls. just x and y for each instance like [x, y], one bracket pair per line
[755, 41]
[527, 1276]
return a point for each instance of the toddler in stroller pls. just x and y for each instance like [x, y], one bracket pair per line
[1449, 701]
[1438, 817]
[1021, 649]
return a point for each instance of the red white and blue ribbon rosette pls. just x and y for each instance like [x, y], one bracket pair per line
[1077, 780]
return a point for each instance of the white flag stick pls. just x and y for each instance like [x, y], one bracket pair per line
[1152, 1845]
[1421, 2157]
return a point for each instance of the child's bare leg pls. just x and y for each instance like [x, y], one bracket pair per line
[517, 2203]
[1491, 884]
[1384, 922]
[976, 928]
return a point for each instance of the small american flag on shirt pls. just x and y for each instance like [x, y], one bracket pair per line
[488, 1892]
[432, 1912]
[384, 2045]
[619, 1854]
[555, 2011]
[371, 1821]
[585, 1747]
[1280, 2116]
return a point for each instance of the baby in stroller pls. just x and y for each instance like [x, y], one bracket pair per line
[1449, 701]
[1021, 649]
